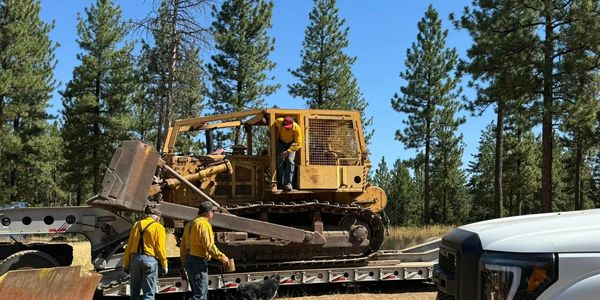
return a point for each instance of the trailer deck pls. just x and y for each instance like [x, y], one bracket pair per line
[107, 233]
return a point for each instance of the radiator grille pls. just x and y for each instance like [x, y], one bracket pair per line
[332, 142]
[442, 296]
[447, 262]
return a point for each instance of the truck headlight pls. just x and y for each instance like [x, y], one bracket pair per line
[508, 276]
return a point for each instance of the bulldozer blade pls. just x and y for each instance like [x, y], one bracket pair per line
[49, 283]
[128, 177]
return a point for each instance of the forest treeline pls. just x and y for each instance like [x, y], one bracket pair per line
[534, 63]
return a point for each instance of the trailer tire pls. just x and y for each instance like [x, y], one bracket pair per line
[27, 259]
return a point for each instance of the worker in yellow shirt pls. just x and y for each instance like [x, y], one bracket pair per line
[145, 252]
[289, 140]
[197, 247]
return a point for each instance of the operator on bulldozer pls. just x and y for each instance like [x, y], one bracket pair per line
[289, 140]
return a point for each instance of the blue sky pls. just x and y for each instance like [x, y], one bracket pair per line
[380, 33]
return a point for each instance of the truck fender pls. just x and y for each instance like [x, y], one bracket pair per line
[587, 289]
[579, 278]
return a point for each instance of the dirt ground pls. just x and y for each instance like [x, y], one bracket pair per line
[391, 290]
[364, 296]
[408, 290]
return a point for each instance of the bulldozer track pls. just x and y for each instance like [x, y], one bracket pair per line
[374, 221]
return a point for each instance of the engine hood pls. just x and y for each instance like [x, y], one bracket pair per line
[577, 231]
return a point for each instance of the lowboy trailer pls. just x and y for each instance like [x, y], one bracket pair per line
[108, 232]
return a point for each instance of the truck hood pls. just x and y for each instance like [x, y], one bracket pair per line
[577, 231]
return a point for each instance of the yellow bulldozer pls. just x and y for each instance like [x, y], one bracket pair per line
[331, 214]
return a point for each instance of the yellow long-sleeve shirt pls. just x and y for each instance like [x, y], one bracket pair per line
[155, 240]
[198, 240]
[292, 135]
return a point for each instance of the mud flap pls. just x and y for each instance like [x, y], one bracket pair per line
[49, 283]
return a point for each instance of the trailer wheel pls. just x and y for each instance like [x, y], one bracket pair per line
[27, 259]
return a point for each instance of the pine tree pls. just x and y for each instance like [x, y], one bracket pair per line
[562, 199]
[176, 25]
[580, 88]
[96, 101]
[238, 71]
[26, 81]
[522, 163]
[551, 22]
[325, 75]
[403, 201]
[190, 91]
[495, 75]
[146, 101]
[431, 86]
[481, 181]
[381, 178]
[45, 187]
[449, 193]
[594, 192]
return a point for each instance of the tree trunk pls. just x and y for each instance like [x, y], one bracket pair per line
[161, 114]
[12, 184]
[578, 163]
[499, 156]
[426, 191]
[79, 196]
[518, 210]
[320, 87]
[95, 151]
[172, 66]
[14, 174]
[240, 105]
[444, 197]
[1, 111]
[548, 111]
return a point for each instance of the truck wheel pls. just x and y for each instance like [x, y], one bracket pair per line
[27, 259]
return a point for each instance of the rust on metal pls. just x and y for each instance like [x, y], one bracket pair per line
[50, 284]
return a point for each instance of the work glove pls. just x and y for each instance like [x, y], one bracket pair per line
[225, 262]
[164, 271]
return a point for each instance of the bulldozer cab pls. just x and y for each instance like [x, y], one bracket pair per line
[332, 156]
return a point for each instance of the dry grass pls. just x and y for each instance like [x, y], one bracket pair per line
[82, 255]
[82, 252]
[403, 237]
[172, 249]
[81, 247]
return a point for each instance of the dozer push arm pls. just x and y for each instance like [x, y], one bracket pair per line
[235, 223]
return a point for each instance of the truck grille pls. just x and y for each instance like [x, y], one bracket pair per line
[447, 262]
[442, 296]
[457, 268]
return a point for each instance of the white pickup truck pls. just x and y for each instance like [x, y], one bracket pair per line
[542, 256]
